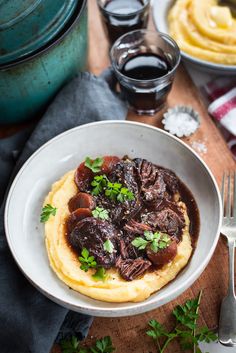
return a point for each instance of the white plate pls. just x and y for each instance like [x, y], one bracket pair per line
[160, 10]
[25, 234]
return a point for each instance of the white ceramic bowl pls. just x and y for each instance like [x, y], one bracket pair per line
[160, 11]
[25, 234]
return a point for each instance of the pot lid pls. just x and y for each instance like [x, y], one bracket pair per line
[27, 25]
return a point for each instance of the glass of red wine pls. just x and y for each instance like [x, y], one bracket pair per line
[122, 16]
[144, 63]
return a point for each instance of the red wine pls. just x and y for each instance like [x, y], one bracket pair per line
[122, 16]
[146, 66]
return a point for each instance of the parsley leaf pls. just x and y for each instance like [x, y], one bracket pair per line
[100, 212]
[100, 274]
[94, 165]
[115, 191]
[103, 345]
[86, 260]
[72, 346]
[47, 211]
[156, 240]
[108, 246]
[99, 183]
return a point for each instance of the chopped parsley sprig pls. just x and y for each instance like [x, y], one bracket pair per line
[72, 345]
[114, 191]
[47, 211]
[108, 246]
[157, 241]
[100, 274]
[86, 260]
[99, 183]
[101, 213]
[94, 165]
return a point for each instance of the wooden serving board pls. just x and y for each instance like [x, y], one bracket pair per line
[128, 333]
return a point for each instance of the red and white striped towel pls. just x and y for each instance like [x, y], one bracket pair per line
[221, 95]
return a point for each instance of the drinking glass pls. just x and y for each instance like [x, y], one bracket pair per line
[122, 16]
[145, 96]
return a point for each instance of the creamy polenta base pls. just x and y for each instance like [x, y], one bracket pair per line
[204, 30]
[66, 265]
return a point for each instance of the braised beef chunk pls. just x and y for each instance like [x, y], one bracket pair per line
[167, 221]
[131, 269]
[155, 181]
[152, 182]
[135, 227]
[127, 250]
[91, 233]
[124, 173]
[162, 256]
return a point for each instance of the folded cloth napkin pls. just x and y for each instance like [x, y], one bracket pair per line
[221, 95]
[30, 322]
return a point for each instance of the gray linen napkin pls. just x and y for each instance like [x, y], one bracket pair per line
[30, 322]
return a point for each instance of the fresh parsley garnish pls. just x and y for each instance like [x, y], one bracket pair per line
[86, 260]
[186, 330]
[108, 246]
[115, 191]
[100, 274]
[47, 211]
[101, 213]
[99, 184]
[103, 345]
[156, 240]
[94, 165]
[72, 345]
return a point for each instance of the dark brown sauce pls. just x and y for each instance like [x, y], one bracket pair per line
[192, 210]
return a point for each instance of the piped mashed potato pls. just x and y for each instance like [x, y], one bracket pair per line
[204, 30]
[66, 265]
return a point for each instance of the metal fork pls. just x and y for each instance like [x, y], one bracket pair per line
[227, 323]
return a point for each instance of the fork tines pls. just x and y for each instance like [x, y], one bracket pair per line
[228, 194]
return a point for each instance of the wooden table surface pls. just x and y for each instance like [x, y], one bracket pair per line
[128, 333]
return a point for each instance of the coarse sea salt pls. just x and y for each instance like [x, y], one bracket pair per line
[199, 146]
[181, 121]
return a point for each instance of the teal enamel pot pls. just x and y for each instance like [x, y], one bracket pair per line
[27, 85]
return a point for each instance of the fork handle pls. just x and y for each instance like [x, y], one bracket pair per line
[231, 245]
[227, 323]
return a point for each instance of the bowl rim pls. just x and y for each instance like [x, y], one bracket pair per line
[130, 309]
[194, 60]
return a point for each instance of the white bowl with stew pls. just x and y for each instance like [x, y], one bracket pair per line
[25, 233]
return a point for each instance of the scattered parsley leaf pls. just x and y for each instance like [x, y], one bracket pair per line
[47, 211]
[94, 165]
[103, 345]
[156, 240]
[99, 183]
[115, 191]
[101, 213]
[86, 260]
[71, 346]
[100, 274]
[140, 243]
[108, 246]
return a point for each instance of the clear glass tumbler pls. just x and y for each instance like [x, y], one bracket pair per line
[145, 63]
[122, 16]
